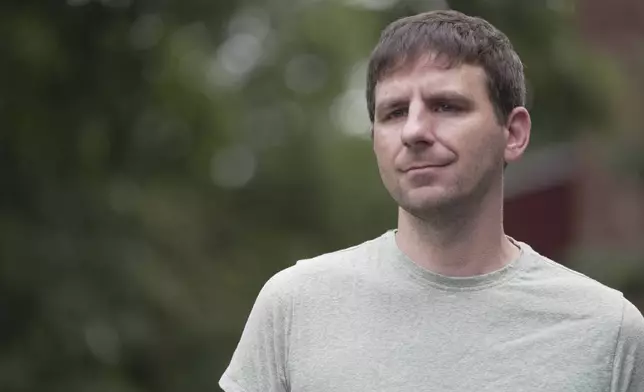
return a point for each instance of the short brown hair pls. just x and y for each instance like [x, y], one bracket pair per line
[459, 38]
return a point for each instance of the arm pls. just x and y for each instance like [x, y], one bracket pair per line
[628, 366]
[259, 362]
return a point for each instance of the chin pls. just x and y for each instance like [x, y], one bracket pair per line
[422, 200]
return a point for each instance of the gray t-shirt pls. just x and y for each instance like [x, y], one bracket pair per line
[367, 318]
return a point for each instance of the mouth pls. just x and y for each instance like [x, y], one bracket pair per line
[421, 168]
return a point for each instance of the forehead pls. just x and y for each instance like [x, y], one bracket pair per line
[434, 74]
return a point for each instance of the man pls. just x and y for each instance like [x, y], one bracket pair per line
[447, 302]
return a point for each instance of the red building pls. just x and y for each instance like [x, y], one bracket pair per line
[567, 196]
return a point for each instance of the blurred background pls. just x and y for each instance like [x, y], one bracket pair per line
[160, 160]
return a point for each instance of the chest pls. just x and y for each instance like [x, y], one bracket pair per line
[449, 349]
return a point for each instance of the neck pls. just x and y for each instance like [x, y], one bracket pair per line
[465, 240]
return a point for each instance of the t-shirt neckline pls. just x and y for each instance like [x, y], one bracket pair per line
[467, 283]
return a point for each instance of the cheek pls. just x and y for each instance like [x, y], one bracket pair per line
[474, 140]
[486, 156]
[385, 149]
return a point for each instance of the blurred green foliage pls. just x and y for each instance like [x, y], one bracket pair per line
[161, 159]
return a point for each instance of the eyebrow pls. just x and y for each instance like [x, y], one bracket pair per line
[449, 96]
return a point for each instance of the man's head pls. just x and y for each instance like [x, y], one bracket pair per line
[445, 94]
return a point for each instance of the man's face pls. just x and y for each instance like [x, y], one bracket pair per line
[437, 139]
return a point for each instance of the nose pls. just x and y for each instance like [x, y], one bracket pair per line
[418, 129]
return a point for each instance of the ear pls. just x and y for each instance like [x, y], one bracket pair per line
[517, 133]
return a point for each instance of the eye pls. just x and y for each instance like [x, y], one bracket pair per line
[396, 113]
[446, 107]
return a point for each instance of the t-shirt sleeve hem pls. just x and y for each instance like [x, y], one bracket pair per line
[229, 385]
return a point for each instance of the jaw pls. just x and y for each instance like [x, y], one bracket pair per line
[451, 198]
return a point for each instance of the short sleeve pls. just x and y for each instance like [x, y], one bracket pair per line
[628, 367]
[259, 361]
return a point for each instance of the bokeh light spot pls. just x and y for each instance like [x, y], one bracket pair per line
[146, 32]
[306, 73]
[233, 166]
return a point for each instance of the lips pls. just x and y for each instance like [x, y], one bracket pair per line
[424, 166]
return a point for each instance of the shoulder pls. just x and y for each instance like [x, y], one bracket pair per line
[570, 289]
[632, 329]
[325, 270]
